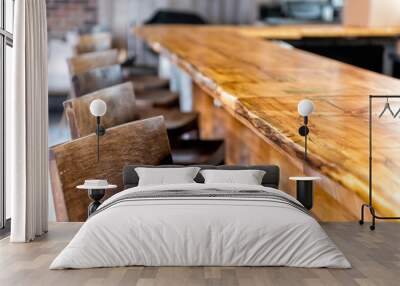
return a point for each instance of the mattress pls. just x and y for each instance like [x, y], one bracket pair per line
[201, 225]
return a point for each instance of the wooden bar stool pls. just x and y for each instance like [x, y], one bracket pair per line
[143, 82]
[140, 142]
[100, 78]
[93, 42]
[97, 42]
[121, 108]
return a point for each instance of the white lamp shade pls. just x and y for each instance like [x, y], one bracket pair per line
[305, 107]
[98, 107]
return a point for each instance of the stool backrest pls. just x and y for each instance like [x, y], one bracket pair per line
[96, 79]
[86, 62]
[93, 42]
[120, 100]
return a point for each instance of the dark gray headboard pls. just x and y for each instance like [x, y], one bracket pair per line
[271, 177]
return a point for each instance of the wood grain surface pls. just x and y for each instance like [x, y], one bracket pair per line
[73, 162]
[375, 258]
[261, 84]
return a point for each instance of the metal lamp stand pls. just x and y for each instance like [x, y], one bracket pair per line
[100, 131]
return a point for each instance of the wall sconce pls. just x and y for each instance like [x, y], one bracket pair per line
[98, 108]
[305, 108]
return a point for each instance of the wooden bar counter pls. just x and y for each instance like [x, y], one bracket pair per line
[259, 85]
[317, 31]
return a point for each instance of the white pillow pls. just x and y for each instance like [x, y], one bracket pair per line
[248, 177]
[166, 176]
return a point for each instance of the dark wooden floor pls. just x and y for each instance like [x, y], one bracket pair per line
[375, 257]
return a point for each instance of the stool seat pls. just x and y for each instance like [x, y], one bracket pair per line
[198, 152]
[177, 122]
[143, 83]
[157, 98]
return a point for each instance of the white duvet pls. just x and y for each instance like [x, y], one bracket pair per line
[200, 232]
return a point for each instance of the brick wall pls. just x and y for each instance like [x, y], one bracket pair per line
[66, 15]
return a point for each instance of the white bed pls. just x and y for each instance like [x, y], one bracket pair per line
[267, 229]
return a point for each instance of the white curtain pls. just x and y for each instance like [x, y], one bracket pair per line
[27, 122]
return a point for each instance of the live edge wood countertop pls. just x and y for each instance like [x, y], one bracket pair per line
[260, 82]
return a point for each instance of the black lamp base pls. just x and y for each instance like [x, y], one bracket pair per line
[96, 196]
[305, 193]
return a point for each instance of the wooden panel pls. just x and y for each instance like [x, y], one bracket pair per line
[120, 100]
[86, 62]
[73, 162]
[261, 83]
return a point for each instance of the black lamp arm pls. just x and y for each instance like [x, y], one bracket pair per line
[100, 130]
[305, 120]
[304, 131]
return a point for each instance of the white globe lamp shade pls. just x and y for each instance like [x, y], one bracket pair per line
[98, 107]
[305, 107]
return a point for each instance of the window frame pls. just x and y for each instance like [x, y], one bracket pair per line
[6, 39]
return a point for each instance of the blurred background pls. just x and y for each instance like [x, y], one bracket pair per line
[67, 19]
